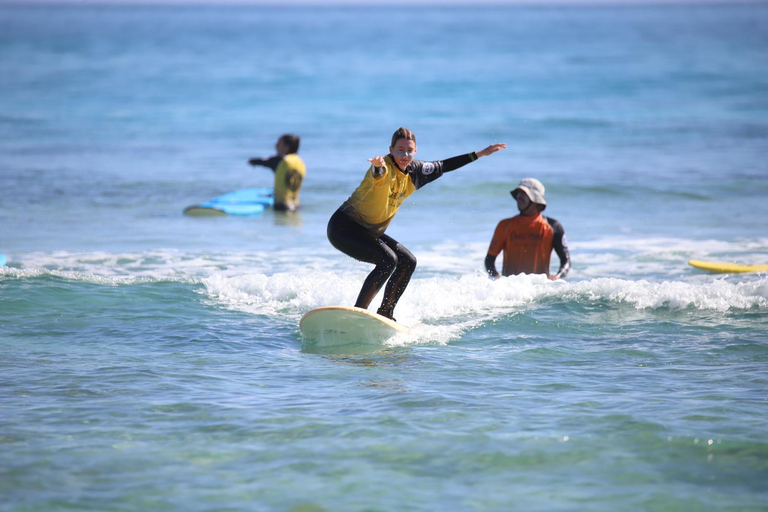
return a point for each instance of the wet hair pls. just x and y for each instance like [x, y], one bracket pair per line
[402, 133]
[291, 141]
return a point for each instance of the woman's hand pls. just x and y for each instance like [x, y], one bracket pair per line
[490, 149]
[377, 161]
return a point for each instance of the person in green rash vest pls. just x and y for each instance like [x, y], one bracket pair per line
[289, 172]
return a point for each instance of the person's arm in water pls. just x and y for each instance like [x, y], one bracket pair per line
[490, 266]
[494, 249]
[560, 245]
[271, 162]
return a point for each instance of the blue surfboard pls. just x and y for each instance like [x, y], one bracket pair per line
[3, 260]
[248, 201]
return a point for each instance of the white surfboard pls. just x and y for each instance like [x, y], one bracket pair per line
[333, 326]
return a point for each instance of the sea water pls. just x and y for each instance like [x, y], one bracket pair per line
[152, 361]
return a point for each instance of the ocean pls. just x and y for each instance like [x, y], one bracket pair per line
[153, 361]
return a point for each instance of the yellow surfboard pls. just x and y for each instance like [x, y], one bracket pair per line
[333, 326]
[726, 268]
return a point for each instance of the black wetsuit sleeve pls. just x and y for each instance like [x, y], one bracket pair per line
[490, 266]
[427, 172]
[455, 162]
[271, 162]
[560, 245]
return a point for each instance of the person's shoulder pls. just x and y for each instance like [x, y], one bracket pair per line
[422, 167]
[507, 221]
[554, 223]
[415, 166]
[292, 158]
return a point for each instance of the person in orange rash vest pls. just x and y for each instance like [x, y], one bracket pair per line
[527, 239]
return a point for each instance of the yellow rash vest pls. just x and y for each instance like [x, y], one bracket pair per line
[381, 193]
[289, 174]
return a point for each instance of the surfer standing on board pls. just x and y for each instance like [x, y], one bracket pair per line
[357, 228]
[528, 239]
[289, 172]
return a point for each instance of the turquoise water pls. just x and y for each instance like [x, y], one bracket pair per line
[152, 361]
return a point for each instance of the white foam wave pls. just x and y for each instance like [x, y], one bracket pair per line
[442, 308]
[449, 293]
[660, 258]
[157, 264]
[87, 277]
[620, 257]
[719, 295]
[654, 259]
[174, 264]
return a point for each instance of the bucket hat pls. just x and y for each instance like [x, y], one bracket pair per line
[533, 189]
